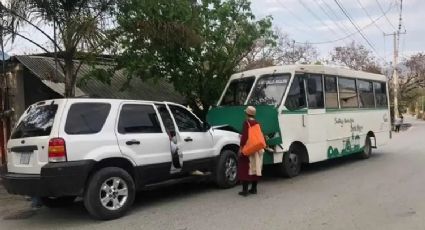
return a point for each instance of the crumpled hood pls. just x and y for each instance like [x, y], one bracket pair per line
[234, 116]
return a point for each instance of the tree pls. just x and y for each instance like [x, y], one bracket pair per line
[204, 43]
[262, 55]
[355, 56]
[412, 79]
[82, 29]
[290, 52]
[282, 51]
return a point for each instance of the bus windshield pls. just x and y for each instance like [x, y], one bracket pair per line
[269, 89]
[238, 91]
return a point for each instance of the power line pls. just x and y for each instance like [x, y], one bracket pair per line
[335, 14]
[316, 16]
[382, 10]
[351, 34]
[357, 27]
[327, 14]
[368, 15]
[293, 14]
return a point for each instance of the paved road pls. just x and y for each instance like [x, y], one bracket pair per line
[383, 192]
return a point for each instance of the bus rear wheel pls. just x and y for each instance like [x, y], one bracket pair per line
[367, 149]
[291, 163]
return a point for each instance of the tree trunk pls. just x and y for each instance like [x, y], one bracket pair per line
[70, 77]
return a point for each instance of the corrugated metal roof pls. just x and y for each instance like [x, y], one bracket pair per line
[59, 88]
[44, 68]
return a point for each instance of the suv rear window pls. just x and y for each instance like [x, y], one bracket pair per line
[37, 122]
[86, 118]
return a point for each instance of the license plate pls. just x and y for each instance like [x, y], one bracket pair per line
[25, 158]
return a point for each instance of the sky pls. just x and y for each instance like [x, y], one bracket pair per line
[322, 21]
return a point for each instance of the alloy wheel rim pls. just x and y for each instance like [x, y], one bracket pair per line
[113, 193]
[230, 169]
[367, 148]
[293, 161]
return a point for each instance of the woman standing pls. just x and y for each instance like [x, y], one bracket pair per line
[249, 167]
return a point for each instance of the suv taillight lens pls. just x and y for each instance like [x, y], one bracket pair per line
[57, 150]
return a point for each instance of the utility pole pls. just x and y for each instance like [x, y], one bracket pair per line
[396, 36]
[293, 52]
[2, 96]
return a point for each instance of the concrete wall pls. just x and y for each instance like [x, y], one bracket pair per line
[16, 92]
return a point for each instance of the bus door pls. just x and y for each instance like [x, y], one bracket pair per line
[316, 117]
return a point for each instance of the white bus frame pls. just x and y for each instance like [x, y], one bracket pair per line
[313, 135]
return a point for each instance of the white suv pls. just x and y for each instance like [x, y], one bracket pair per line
[105, 150]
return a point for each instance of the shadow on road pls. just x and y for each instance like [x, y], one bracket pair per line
[76, 214]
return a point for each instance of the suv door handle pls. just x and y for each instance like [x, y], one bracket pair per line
[132, 142]
[188, 139]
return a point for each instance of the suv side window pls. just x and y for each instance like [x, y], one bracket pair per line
[166, 119]
[136, 118]
[86, 118]
[185, 120]
[296, 95]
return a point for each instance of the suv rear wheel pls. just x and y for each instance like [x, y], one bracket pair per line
[227, 169]
[110, 193]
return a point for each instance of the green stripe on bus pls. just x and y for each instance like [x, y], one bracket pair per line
[268, 158]
[354, 110]
[304, 111]
[343, 110]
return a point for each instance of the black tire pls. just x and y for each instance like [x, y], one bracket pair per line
[367, 149]
[291, 163]
[95, 191]
[57, 202]
[226, 174]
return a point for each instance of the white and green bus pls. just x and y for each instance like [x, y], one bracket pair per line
[309, 113]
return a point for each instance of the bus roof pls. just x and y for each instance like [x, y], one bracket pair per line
[319, 69]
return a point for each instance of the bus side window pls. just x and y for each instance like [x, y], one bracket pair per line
[380, 94]
[331, 92]
[315, 91]
[296, 95]
[365, 90]
[348, 93]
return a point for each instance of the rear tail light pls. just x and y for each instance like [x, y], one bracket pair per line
[57, 150]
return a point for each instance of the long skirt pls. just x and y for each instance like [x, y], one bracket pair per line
[243, 170]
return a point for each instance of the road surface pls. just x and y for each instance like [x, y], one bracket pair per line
[384, 192]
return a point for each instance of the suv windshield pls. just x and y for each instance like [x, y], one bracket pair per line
[37, 122]
[238, 91]
[269, 89]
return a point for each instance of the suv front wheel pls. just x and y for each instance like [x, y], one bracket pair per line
[110, 193]
[227, 169]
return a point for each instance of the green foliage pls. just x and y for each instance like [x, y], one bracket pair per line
[82, 29]
[357, 57]
[196, 45]
[101, 74]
